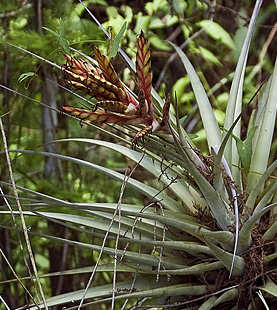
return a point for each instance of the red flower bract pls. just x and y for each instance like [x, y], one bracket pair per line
[115, 104]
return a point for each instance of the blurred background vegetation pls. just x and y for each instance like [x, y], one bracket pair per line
[29, 126]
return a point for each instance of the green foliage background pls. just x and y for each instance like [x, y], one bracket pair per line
[213, 52]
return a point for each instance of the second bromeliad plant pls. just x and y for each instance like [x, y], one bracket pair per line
[215, 241]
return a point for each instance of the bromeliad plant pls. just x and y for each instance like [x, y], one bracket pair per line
[217, 238]
[207, 238]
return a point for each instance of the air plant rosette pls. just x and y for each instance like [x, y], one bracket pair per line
[217, 218]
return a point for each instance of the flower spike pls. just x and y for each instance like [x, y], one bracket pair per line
[143, 68]
[115, 104]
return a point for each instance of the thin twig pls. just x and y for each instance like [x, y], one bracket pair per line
[4, 303]
[125, 181]
[29, 98]
[173, 56]
[124, 184]
[15, 12]
[182, 46]
[21, 249]
[17, 278]
[118, 207]
[257, 67]
[39, 57]
[131, 289]
[24, 227]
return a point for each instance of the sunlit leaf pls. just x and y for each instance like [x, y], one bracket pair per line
[270, 287]
[209, 56]
[158, 43]
[52, 31]
[115, 42]
[25, 75]
[245, 149]
[215, 31]
[61, 37]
